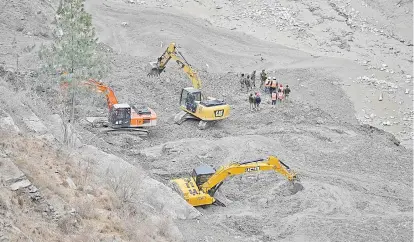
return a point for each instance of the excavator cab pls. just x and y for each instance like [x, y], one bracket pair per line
[190, 98]
[120, 116]
[202, 173]
[194, 106]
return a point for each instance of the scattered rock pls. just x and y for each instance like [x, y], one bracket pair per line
[386, 123]
[71, 183]
[32, 189]
[262, 202]
[380, 97]
[320, 121]
[124, 24]
[20, 184]
[89, 190]
[7, 123]
[10, 173]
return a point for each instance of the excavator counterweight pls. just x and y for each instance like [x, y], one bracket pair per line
[200, 187]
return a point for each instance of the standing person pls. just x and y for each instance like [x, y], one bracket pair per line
[287, 91]
[263, 77]
[274, 99]
[273, 85]
[277, 86]
[267, 85]
[280, 96]
[253, 78]
[258, 100]
[251, 102]
[242, 82]
[247, 82]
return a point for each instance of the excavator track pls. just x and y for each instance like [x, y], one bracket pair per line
[182, 116]
[218, 203]
[139, 131]
[102, 124]
[202, 125]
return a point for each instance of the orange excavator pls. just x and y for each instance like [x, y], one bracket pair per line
[122, 116]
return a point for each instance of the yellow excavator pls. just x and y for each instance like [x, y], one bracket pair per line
[193, 103]
[199, 189]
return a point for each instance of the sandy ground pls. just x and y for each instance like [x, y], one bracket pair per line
[357, 179]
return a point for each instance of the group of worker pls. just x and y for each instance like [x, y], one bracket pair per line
[255, 101]
[248, 81]
[277, 91]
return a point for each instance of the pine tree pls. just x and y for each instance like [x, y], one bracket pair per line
[73, 56]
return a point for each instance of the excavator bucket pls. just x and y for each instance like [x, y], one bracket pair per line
[296, 187]
[155, 70]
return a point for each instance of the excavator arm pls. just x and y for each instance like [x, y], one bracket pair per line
[172, 53]
[100, 87]
[199, 189]
[271, 163]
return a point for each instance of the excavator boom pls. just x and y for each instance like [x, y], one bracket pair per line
[271, 163]
[199, 189]
[100, 87]
[172, 53]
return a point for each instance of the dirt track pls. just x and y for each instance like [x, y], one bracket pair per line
[357, 187]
